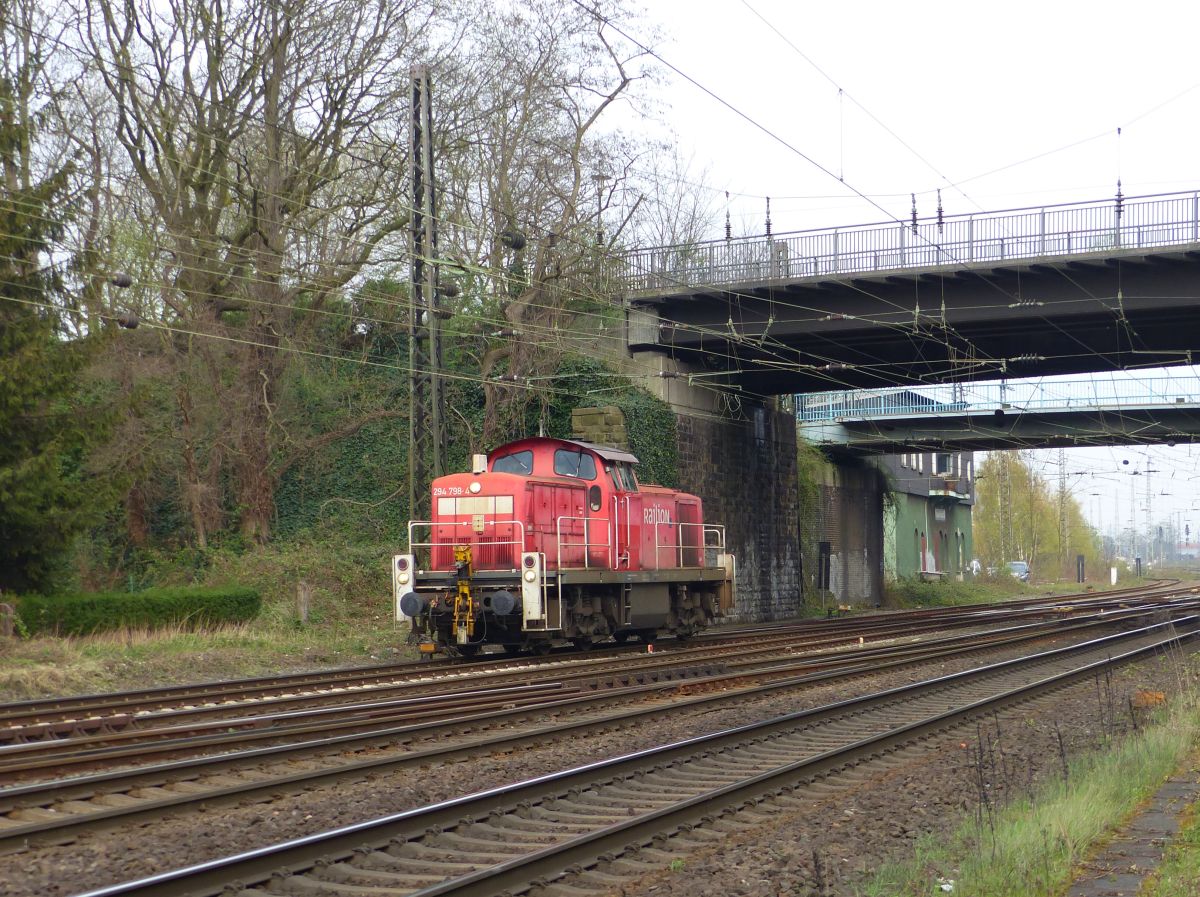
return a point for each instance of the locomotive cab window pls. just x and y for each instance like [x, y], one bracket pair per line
[622, 477]
[518, 462]
[571, 463]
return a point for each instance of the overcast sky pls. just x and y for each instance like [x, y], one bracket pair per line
[932, 95]
[998, 105]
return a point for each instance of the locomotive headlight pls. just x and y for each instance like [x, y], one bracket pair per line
[530, 575]
[475, 486]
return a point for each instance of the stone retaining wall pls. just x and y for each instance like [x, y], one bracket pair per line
[744, 470]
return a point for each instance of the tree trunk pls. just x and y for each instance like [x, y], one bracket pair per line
[255, 480]
[137, 524]
[192, 487]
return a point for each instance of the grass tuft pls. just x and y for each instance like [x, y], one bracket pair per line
[1179, 874]
[1031, 847]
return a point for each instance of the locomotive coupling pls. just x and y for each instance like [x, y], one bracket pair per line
[464, 605]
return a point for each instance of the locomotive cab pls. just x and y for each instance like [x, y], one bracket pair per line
[549, 541]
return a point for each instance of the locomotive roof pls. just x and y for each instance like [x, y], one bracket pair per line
[607, 452]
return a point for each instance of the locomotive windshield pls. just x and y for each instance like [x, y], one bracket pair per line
[574, 463]
[517, 462]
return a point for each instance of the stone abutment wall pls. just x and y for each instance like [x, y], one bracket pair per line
[744, 470]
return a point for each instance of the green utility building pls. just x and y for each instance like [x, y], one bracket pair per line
[927, 523]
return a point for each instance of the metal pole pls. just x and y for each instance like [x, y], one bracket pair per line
[1063, 534]
[426, 441]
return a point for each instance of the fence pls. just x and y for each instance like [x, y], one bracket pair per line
[1117, 391]
[1100, 226]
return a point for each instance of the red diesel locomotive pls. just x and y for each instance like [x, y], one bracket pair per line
[548, 541]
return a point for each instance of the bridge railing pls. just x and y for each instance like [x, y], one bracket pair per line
[1015, 396]
[1101, 226]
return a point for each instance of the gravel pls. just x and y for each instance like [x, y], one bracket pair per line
[826, 846]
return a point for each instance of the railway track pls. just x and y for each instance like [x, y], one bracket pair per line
[594, 826]
[184, 735]
[243, 704]
[62, 809]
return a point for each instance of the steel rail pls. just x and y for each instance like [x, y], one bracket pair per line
[29, 722]
[21, 720]
[300, 855]
[38, 797]
[126, 746]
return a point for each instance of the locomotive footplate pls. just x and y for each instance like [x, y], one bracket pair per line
[619, 577]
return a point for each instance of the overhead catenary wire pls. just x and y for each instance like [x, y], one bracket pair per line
[885, 323]
[485, 272]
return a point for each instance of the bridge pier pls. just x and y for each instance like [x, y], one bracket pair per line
[842, 531]
[745, 471]
[741, 458]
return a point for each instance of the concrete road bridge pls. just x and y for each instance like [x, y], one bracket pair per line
[1048, 290]
[1044, 413]
[897, 307]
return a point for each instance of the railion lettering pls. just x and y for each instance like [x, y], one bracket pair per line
[656, 515]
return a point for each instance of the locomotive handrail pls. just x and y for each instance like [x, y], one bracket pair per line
[714, 529]
[717, 530]
[518, 540]
[617, 557]
[586, 543]
[706, 530]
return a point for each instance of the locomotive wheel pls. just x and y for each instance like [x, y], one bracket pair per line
[582, 644]
[512, 650]
[621, 637]
[467, 651]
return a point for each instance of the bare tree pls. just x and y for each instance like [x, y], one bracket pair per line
[676, 204]
[531, 175]
[266, 137]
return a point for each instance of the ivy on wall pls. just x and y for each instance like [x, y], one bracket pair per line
[649, 421]
[357, 486]
[813, 470]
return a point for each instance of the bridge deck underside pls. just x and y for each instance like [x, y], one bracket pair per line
[1070, 314]
[1008, 428]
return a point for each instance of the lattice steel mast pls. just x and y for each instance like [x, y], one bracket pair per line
[427, 436]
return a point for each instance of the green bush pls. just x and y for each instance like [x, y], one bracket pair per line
[914, 592]
[83, 614]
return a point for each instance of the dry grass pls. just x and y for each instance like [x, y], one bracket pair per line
[350, 623]
[33, 668]
[138, 658]
[131, 637]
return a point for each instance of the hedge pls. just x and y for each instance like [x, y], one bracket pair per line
[82, 614]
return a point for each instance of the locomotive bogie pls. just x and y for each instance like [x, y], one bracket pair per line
[551, 541]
